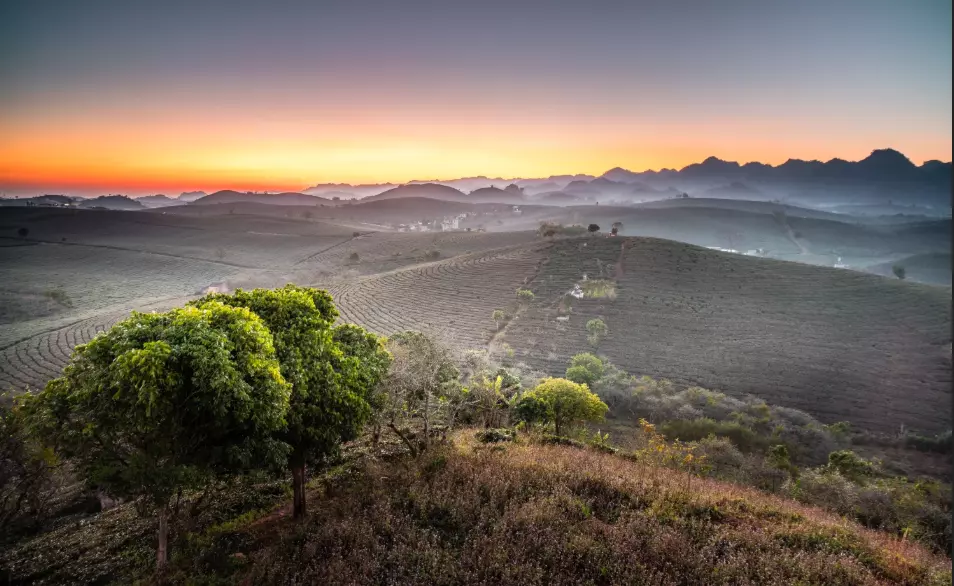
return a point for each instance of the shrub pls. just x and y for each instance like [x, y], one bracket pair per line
[597, 329]
[432, 254]
[353, 257]
[850, 465]
[568, 403]
[525, 295]
[26, 473]
[824, 488]
[23, 232]
[599, 288]
[494, 436]
[498, 316]
[694, 430]
[898, 271]
[940, 444]
[585, 369]
[593, 228]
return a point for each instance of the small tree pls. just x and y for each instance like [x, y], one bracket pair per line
[568, 403]
[898, 271]
[592, 228]
[23, 232]
[422, 385]
[332, 382]
[166, 401]
[498, 316]
[525, 296]
[585, 369]
[597, 329]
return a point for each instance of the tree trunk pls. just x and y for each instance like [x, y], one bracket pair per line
[404, 438]
[299, 509]
[162, 551]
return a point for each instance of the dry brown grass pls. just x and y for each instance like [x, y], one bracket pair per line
[531, 514]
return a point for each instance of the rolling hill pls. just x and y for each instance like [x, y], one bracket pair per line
[287, 198]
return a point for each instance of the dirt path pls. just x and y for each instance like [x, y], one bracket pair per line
[791, 236]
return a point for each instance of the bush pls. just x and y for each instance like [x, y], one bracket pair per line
[353, 257]
[694, 430]
[26, 474]
[494, 436]
[23, 232]
[525, 295]
[585, 368]
[593, 228]
[940, 444]
[898, 271]
[432, 254]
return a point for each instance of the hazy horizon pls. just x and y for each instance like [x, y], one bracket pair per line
[107, 97]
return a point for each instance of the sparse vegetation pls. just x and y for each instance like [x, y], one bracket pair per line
[596, 329]
[525, 296]
[898, 271]
[498, 316]
[598, 288]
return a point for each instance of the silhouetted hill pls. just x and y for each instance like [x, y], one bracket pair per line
[288, 198]
[427, 190]
[158, 201]
[190, 196]
[111, 202]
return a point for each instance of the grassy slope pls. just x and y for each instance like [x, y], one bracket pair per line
[839, 344]
[520, 514]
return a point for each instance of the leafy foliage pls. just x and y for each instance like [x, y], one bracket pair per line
[333, 372]
[167, 401]
[567, 403]
[585, 368]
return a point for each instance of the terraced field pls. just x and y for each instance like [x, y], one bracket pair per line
[840, 344]
[452, 298]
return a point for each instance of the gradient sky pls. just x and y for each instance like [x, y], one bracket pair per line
[142, 97]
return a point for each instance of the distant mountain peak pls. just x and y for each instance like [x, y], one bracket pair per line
[888, 157]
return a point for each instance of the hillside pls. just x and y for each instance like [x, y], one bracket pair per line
[517, 513]
[922, 268]
[110, 202]
[426, 190]
[838, 344]
[288, 198]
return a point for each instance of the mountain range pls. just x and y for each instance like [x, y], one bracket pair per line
[883, 176]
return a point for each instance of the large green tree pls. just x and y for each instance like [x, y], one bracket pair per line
[333, 372]
[568, 403]
[166, 401]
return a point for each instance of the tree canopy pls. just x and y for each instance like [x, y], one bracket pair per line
[567, 403]
[332, 372]
[585, 368]
[164, 401]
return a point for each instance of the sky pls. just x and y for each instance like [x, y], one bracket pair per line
[144, 97]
